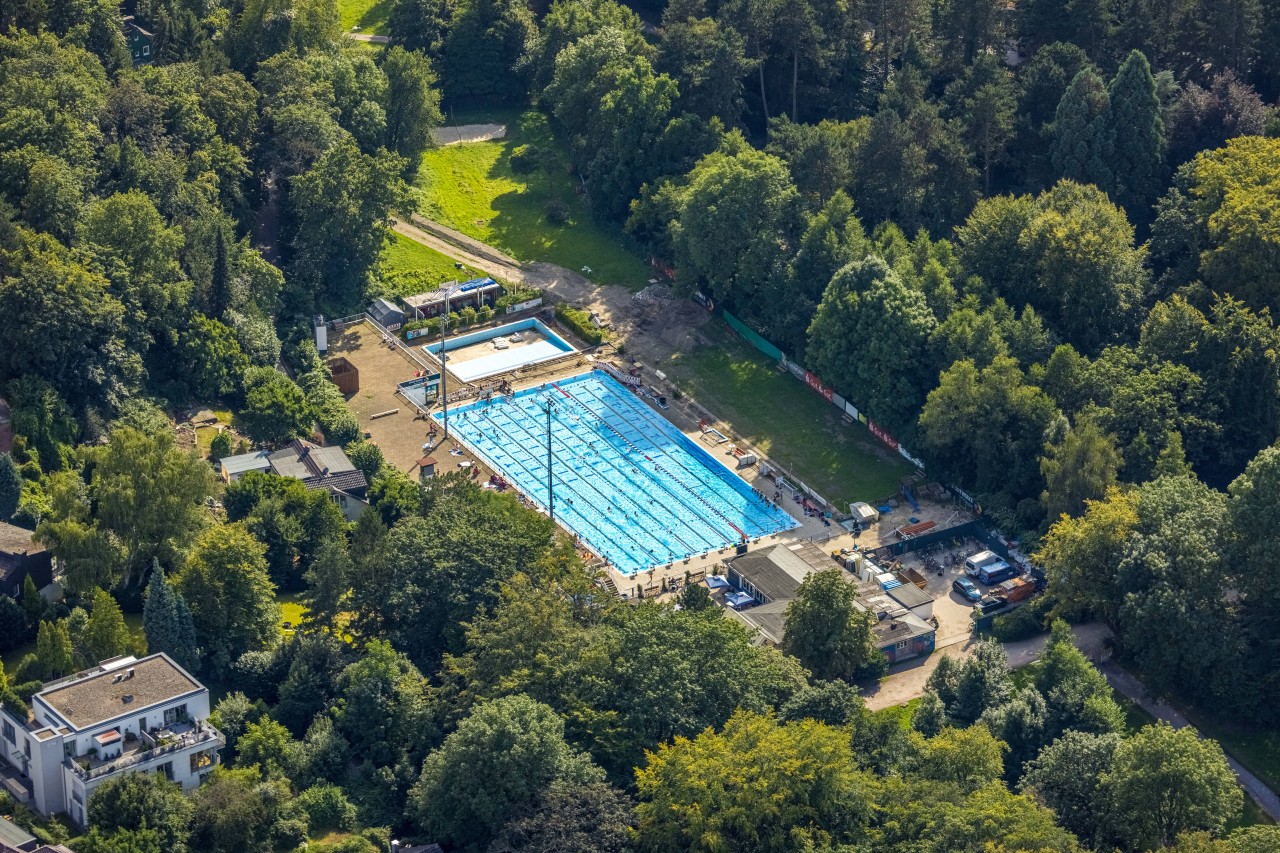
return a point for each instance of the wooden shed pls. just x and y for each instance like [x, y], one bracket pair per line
[345, 375]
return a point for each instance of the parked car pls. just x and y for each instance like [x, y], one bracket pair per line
[965, 587]
[990, 603]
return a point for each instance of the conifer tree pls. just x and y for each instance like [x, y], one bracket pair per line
[167, 621]
[10, 487]
[1083, 137]
[1138, 158]
[105, 635]
[53, 649]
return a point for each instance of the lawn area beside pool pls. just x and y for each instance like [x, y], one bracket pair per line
[787, 421]
[407, 268]
[471, 187]
[369, 15]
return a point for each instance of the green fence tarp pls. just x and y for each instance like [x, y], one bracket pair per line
[752, 337]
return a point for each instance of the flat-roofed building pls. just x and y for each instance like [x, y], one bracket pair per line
[126, 715]
[772, 576]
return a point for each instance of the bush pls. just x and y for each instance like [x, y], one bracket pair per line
[516, 295]
[220, 447]
[580, 322]
[354, 844]
[289, 833]
[468, 316]
[557, 212]
[1020, 624]
[485, 314]
[327, 807]
[525, 159]
[335, 417]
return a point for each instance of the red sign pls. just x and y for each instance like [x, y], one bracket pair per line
[881, 434]
[816, 384]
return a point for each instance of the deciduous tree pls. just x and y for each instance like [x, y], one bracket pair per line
[867, 319]
[1163, 782]
[499, 760]
[1081, 467]
[232, 599]
[779, 785]
[829, 633]
[137, 801]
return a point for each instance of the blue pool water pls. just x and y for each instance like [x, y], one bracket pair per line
[633, 488]
[550, 346]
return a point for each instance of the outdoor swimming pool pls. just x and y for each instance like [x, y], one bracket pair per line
[634, 489]
[474, 356]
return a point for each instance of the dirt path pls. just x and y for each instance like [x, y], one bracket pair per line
[468, 133]
[369, 38]
[651, 326]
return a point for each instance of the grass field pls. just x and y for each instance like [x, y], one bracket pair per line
[406, 268]
[369, 15]
[787, 420]
[291, 610]
[472, 188]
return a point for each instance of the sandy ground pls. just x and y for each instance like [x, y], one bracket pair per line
[468, 133]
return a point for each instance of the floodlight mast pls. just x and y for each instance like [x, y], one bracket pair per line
[548, 405]
[444, 368]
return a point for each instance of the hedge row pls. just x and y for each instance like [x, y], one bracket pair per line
[466, 317]
[337, 421]
[580, 322]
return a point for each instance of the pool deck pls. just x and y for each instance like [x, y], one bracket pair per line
[402, 435]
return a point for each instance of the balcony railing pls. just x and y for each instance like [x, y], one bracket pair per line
[203, 733]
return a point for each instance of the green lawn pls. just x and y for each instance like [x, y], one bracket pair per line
[472, 188]
[406, 268]
[291, 610]
[1257, 749]
[787, 420]
[369, 15]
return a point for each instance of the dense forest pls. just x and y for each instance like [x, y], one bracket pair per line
[1036, 241]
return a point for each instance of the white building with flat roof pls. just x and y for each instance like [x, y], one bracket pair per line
[126, 715]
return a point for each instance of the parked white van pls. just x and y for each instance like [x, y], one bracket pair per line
[974, 563]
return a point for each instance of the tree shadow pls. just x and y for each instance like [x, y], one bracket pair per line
[374, 21]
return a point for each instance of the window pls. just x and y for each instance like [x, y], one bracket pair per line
[176, 714]
[9, 734]
[903, 645]
[27, 748]
[146, 50]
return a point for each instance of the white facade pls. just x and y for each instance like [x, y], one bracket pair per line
[71, 744]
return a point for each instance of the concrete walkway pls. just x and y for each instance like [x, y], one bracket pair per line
[1125, 683]
[369, 38]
